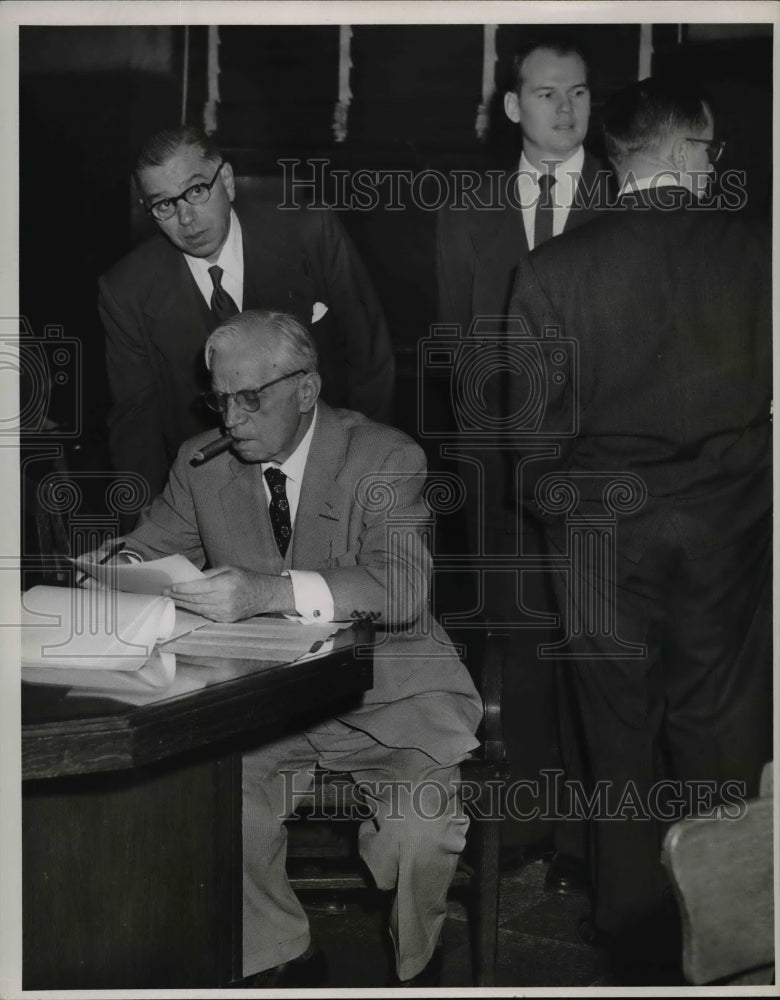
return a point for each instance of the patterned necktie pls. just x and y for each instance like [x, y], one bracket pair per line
[543, 220]
[222, 306]
[279, 508]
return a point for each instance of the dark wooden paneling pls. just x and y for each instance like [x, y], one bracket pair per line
[127, 879]
[278, 85]
[415, 86]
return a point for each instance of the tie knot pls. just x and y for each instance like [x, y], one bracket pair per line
[546, 182]
[216, 272]
[275, 479]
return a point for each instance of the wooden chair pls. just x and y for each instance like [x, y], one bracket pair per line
[326, 860]
[722, 874]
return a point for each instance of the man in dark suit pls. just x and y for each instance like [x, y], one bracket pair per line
[161, 301]
[666, 433]
[558, 187]
[298, 518]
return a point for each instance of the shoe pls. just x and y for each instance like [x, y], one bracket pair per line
[566, 875]
[428, 976]
[308, 969]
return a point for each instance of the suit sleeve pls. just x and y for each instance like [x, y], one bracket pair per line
[361, 322]
[557, 385]
[134, 421]
[169, 525]
[455, 259]
[386, 575]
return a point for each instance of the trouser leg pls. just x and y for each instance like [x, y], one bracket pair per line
[719, 665]
[412, 842]
[620, 704]
[275, 926]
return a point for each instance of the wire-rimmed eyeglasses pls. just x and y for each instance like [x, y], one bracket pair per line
[196, 194]
[715, 147]
[247, 399]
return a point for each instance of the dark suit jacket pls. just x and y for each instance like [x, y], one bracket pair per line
[360, 523]
[667, 306]
[478, 249]
[156, 323]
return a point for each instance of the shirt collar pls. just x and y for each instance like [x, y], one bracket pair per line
[661, 179]
[572, 167]
[294, 465]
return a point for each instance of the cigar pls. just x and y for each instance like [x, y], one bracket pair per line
[209, 451]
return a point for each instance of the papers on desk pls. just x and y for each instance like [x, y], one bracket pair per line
[151, 577]
[260, 638]
[110, 643]
[101, 640]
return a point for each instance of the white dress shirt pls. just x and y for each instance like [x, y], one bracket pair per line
[231, 260]
[313, 599]
[567, 177]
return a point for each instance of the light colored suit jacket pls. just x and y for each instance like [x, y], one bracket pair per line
[361, 523]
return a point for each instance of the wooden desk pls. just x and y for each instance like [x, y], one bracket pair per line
[131, 820]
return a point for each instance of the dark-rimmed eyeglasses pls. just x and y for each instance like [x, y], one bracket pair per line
[715, 147]
[247, 399]
[197, 194]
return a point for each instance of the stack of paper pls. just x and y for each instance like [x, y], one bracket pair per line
[103, 640]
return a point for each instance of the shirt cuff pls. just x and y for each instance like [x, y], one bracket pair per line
[313, 599]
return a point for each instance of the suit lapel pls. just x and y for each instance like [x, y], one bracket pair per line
[244, 503]
[321, 501]
[275, 271]
[498, 252]
[181, 318]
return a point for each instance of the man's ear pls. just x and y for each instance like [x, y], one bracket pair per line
[512, 106]
[679, 153]
[309, 391]
[229, 181]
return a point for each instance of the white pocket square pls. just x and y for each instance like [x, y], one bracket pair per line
[318, 311]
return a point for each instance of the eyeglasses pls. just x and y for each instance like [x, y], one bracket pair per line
[715, 147]
[247, 399]
[198, 194]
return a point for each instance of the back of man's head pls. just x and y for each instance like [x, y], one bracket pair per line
[269, 332]
[159, 147]
[645, 117]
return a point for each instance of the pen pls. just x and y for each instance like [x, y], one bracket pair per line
[115, 549]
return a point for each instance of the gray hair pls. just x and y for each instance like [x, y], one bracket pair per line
[648, 113]
[268, 330]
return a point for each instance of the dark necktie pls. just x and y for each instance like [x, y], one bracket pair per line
[543, 220]
[279, 508]
[222, 306]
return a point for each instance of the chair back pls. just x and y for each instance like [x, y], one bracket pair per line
[723, 877]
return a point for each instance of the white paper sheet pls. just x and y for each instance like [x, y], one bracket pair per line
[94, 630]
[155, 676]
[142, 577]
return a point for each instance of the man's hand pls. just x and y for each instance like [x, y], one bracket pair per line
[230, 595]
[109, 553]
[104, 555]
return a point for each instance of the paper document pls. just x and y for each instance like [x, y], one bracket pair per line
[260, 638]
[143, 577]
[104, 643]
[92, 629]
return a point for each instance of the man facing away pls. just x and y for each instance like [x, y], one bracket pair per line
[287, 522]
[558, 187]
[209, 261]
[668, 302]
